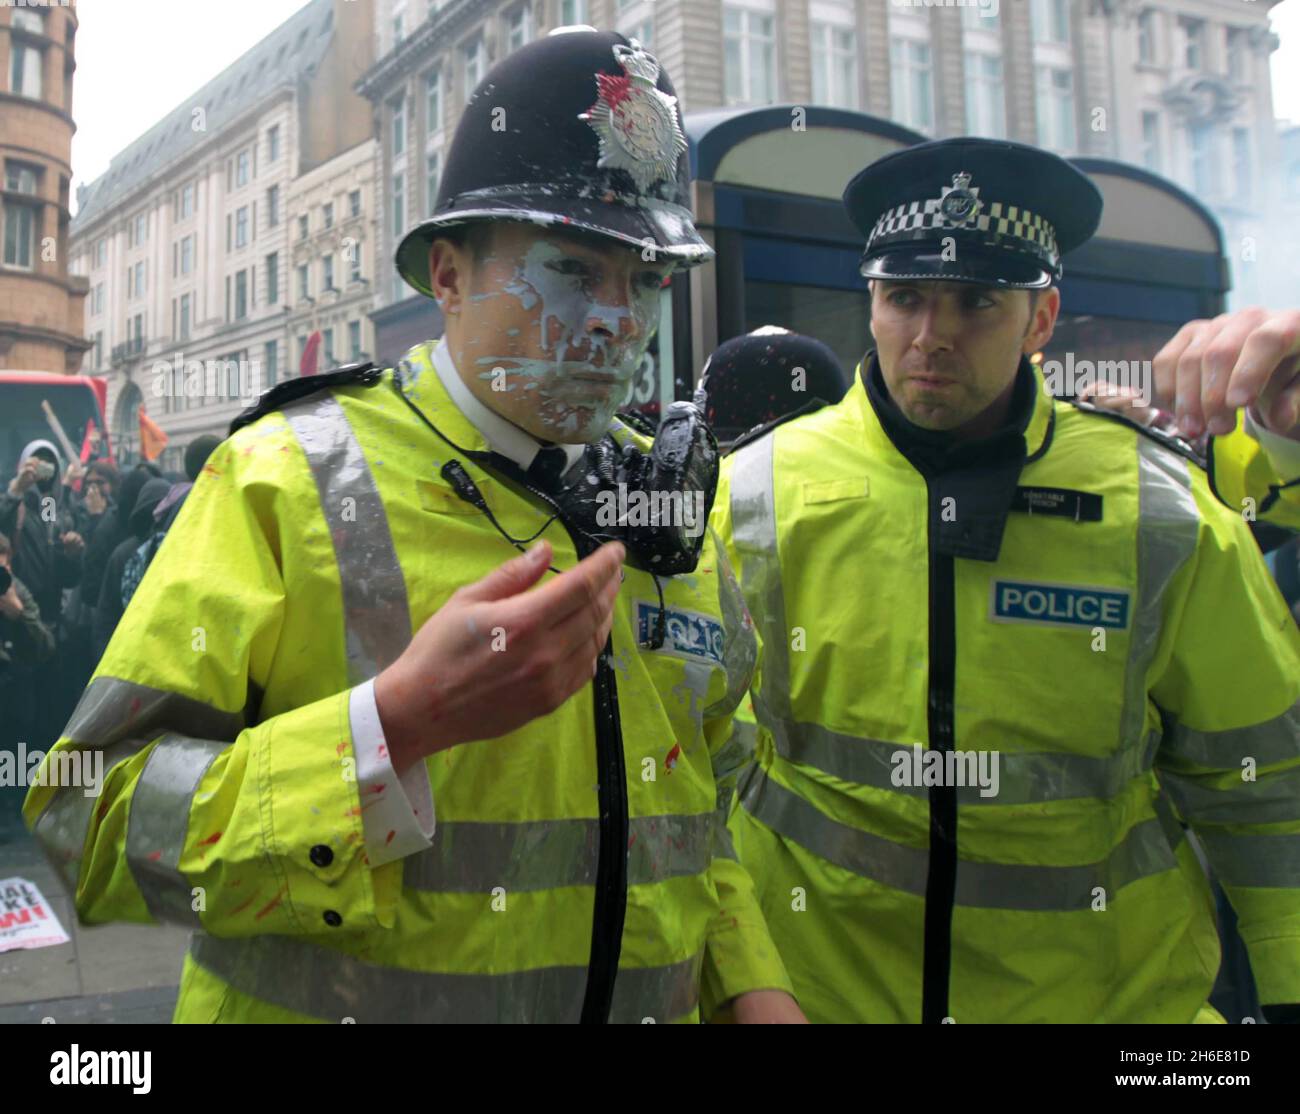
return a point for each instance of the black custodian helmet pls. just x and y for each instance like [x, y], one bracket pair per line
[576, 130]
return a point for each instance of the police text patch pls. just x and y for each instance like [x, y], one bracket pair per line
[688, 634]
[1059, 605]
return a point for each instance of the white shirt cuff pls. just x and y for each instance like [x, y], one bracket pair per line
[396, 814]
[1283, 453]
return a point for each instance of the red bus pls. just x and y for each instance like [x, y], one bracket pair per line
[75, 400]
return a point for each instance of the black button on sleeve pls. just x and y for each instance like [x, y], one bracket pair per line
[332, 918]
[322, 855]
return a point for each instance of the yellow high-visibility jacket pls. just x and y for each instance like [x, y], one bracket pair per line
[1125, 658]
[1244, 478]
[317, 540]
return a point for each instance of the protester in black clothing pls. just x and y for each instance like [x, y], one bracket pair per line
[114, 527]
[26, 644]
[35, 515]
[140, 524]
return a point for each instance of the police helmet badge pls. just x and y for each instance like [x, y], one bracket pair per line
[958, 203]
[636, 122]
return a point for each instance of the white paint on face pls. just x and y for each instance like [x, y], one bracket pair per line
[590, 351]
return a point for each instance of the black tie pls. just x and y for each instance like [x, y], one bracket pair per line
[547, 467]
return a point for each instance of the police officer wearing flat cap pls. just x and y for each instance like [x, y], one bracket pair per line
[417, 775]
[1014, 651]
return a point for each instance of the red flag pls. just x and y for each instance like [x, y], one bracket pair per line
[89, 442]
[307, 365]
[152, 439]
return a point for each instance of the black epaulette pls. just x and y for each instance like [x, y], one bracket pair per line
[1174, 444]
[809, 407]
[291, 390]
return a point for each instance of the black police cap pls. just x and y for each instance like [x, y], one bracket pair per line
[575, 130]
[987, 211]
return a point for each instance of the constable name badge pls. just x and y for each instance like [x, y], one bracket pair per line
[1059, 605]
[688, 634]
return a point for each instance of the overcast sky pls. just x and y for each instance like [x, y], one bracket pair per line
[138, 59]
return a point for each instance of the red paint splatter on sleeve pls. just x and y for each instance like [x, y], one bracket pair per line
[210, 840]
[244, 904]
[154, 856]
[271, 904]
[673, 756]
[389, 838]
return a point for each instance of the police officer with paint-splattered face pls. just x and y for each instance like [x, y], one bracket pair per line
[568, 713]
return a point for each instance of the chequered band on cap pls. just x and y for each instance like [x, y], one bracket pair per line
[996, 224]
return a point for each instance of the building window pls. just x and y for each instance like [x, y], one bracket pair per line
[1193, 42]
[399, 206]
[273, 143]
[981, 17]
[273, 206]
[1201, 145]
[304, 281]
[135, 281]
[1051, 21]
[1241, 164]
[241, 295]
[99, 348]
[519, 27]
[1056, 129]
[327, 337]
[354, 272]
[911, 79]
[187, 201]
[241, 169]
[399, 126]
[327, 272]
[140, 230]
[302, 351]
[26, 64]
[573, 11]
[328, 214]
[97, 305]
[21, 177]
[399, 24]
[433, 101]
[271, 359]
[1146, 24]
[184, 333]
[354, 340]
[986, 112]
[241, 227]
[272, 278]
[749, 55]
[475, 63]
[302, 227]
[24, 19]
[20, 235]
[187, 255]
[101, 253]
[1236, 54]
[834, 64]
[354, 203]
[433, 175]
[1151, 141]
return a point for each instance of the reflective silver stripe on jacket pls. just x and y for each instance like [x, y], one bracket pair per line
[376, 616]
[159, 820]
[120, 718]
[1269, 743]
[740, 644]
[1144, 851]
[1022, 778]
[753, 529]
[473, 856]
[1168, 521]
[329, 985]
[1254, 860]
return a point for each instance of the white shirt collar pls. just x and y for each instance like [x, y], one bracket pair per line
[502, 436]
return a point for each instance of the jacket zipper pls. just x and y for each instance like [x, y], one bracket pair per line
[941, 879]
